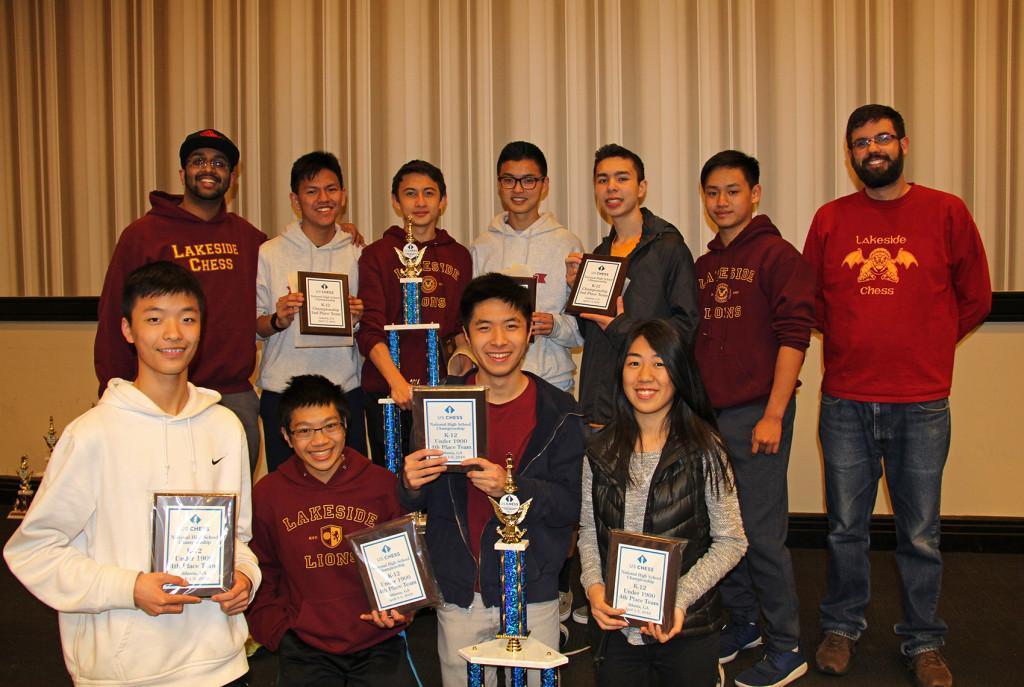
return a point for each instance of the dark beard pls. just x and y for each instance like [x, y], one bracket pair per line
[192, 188]
[881, 177]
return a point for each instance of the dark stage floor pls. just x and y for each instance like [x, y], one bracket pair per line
[983, 602]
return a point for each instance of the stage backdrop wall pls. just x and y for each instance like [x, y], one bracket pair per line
[99, 94]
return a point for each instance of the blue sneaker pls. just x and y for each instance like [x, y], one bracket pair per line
[736, 638]
[775, 669]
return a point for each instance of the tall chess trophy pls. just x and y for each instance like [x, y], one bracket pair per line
[25, 492]
[411, 257]
[512, 647]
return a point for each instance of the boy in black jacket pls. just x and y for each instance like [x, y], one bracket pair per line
[661, 282]
[542, 428]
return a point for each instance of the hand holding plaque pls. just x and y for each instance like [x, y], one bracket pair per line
[194, 538]
[452, 419]
[642, 575]
[599, 282]
[395, 566]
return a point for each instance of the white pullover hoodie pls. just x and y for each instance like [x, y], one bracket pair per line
[280, 258]
[88, 535]
[539, 250]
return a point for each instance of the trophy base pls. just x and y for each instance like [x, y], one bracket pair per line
[533, 654]
[21, 504]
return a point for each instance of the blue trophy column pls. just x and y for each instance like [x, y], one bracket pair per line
[392, 424]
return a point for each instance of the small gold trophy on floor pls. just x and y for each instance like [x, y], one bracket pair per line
[25, 492]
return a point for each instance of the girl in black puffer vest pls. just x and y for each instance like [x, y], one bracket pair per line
[659, 467]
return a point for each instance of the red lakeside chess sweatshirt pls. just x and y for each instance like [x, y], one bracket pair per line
[755, 295]
[899, 282]
[311, 583]
[447, 268]
[222, 253]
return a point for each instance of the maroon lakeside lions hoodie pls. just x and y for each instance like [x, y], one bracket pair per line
[447, 268]
[755, 295]
[300, 528]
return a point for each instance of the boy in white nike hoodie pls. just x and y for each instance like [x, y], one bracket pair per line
[85, 545]
[523, 242]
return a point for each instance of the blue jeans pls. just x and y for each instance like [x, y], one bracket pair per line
[913, 441]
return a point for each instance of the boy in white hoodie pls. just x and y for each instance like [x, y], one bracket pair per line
[523, 242]
[85, 545]
[314, 243]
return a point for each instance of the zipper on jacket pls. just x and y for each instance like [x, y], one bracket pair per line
[465, 537]
[458, 521]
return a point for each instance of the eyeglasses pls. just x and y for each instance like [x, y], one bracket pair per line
[199, 162]
[528, 182]
[330, 429]
[879, 140]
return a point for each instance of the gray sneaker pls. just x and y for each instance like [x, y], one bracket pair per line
[581, 615]
[564, 605]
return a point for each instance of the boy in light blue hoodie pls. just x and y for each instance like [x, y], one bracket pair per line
[523, 242]
[314, 243]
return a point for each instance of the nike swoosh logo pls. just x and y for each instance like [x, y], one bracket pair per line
[218, 460]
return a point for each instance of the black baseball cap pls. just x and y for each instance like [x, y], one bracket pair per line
[208, 138]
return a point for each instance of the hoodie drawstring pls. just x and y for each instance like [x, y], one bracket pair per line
[167, 459]
[191, 444]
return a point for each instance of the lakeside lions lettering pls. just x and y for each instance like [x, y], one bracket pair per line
[431, 282]
[329, 536]
[723, 291]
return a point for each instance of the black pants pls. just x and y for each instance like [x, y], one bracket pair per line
[277, 450]
[680, 662]
[300, 665]
[375, 427]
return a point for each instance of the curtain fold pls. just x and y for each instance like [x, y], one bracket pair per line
[98, 95]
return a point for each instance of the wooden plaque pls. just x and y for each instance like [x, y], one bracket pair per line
[642, 576]
[599, 283]
[325, 309]
[453, 419]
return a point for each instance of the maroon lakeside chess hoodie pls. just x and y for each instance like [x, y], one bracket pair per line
[222, 253]
[300, 528]
[755, 295]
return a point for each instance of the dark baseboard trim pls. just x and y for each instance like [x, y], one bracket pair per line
[962, 534]
[809, 530]
[1007, 306]
[47, 309]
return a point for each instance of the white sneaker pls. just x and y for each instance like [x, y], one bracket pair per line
[564, 605]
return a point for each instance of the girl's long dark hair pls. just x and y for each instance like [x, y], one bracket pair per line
[692, 429]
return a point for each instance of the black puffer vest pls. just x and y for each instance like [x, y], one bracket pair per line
[675, 508]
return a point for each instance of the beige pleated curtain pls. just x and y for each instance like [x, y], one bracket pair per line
[97, 95]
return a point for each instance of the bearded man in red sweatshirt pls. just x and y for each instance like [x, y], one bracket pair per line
[196, 231]
[901, 278]
[756, 297]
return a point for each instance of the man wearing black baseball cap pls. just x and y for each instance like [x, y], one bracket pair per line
[196, 231]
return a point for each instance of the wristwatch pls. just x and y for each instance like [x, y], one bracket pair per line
[274, 325]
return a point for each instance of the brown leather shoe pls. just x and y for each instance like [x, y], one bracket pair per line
[930, 670]
[834, 654]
